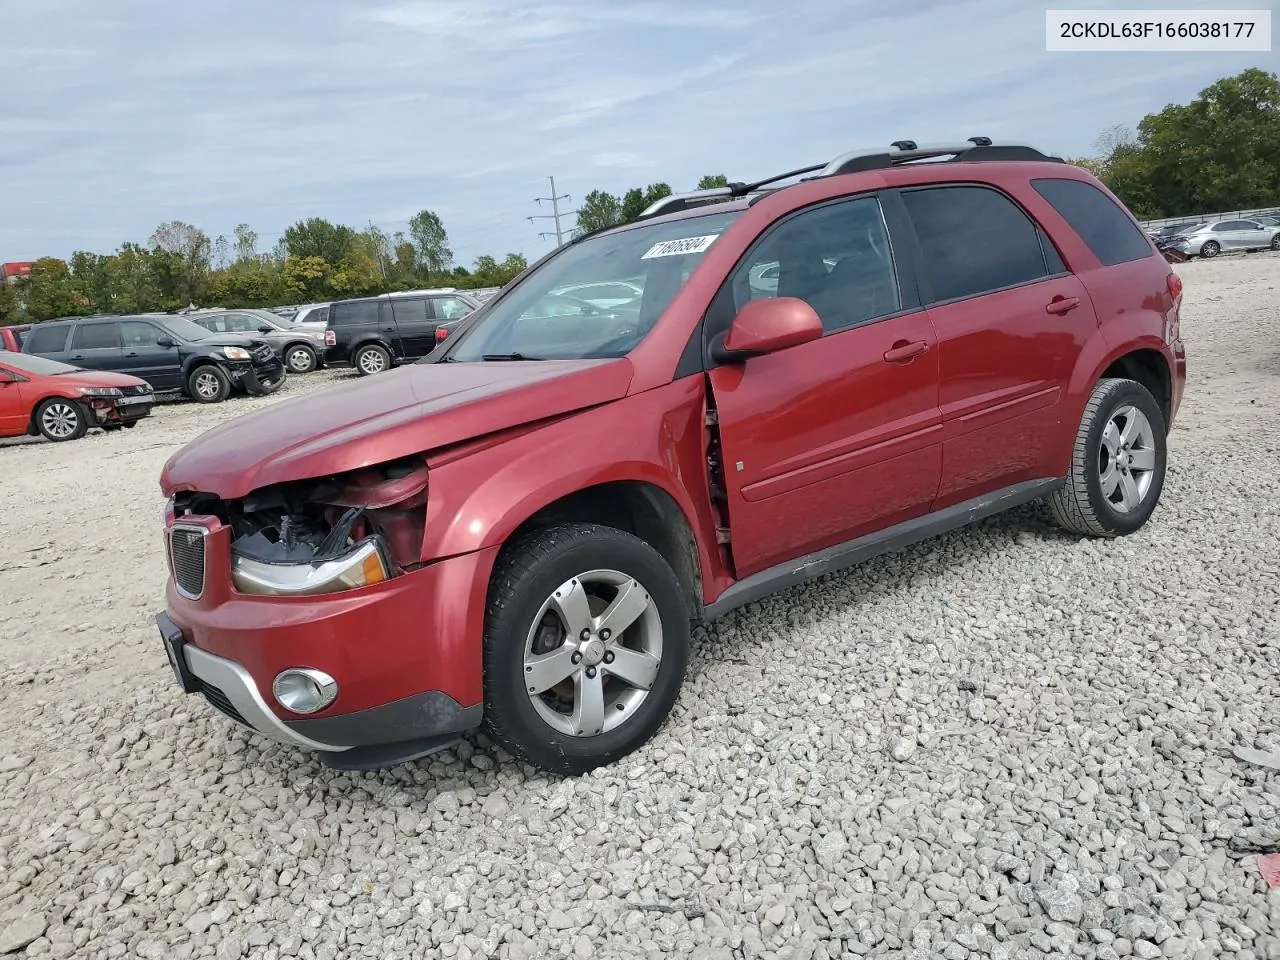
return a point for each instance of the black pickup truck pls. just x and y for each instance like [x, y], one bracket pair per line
[171, 353]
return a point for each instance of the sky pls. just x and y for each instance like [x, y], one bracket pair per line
[119, 115]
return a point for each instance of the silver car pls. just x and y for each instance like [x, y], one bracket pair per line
[1213, 237]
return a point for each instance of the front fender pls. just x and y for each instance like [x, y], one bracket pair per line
[479, 496]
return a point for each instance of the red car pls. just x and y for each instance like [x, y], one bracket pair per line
[520, 530]
[61, 402]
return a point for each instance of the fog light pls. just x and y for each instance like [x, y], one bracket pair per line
[303, 690]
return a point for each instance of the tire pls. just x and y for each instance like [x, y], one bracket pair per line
[207, 383]
[527, 638]
[1099, 498]
[299, 358]
[1275, 242]
[59, 419]
[1210, 249]
[371, 358]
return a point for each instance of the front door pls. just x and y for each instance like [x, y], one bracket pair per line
[833, 439]
[144, 357]
[1011, 321]
[14, 413]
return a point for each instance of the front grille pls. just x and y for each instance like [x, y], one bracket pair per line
[136, 391]
[219, 701]
[186, 557]
[262, 352]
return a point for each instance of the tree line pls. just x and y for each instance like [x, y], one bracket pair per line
[1218, 153]
[314, 260]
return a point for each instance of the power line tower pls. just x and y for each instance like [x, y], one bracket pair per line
[555, 214]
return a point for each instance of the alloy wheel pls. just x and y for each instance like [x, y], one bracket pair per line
[1127, 459]
[207, 384]
[59, 420]
[593, 653]
[371, 362]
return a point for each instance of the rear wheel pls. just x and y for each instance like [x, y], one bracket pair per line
[1211, 249]
[300, 358]
[60, 419]
[208, 384]
[1118, 464]
[585, 649]
[372, 358]
[1275, 242]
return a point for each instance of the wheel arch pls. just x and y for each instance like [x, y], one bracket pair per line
[35, 408]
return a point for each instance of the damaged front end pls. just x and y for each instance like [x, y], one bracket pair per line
[323, 535]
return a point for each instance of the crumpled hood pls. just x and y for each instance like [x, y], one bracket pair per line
[412, 409]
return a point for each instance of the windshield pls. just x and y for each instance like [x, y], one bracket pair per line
[39, 366]
[185, 329]
[559, 313]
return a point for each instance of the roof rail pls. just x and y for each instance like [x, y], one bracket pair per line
[903, 151]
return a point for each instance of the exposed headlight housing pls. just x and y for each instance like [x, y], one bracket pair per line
[363, 565]
[235, 353]
[101, 392]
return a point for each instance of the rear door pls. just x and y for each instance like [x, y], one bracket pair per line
[1010, 320]
[145, 358]
[48, 341]
[96, 345]
[1254, 234]
[824, 442]
[15, 414]
[414, 326]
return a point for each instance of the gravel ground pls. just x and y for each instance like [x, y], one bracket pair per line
[1005, 743]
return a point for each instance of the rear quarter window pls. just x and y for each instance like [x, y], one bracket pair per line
[47, 340]
[1101, 224]
[354, 313]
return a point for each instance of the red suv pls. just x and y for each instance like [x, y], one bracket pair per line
[521, 529]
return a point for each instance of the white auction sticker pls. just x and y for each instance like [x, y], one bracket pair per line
[679, 248]
[1177, 31]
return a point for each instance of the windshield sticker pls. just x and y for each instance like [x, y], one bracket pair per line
[679, 248]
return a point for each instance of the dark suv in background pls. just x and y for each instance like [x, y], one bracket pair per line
[373, 334]
[299, 347]
[171, 353]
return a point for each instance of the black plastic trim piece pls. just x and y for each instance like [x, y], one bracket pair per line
[381, 756]
[423, 715]
[832, 559]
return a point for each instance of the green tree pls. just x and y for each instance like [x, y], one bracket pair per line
[246, 243]
[355, 275]
[597, 211]
[489, 272]
[635, 200]
[187, 255]
[50, 291]
[306, 278]
[712, 180]
[318, 237]
[11, 310]
[135, 286]
[431, 241]
[91, 273]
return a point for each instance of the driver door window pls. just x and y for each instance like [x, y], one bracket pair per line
[835, 257]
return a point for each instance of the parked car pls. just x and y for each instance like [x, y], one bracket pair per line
[520, 530]
[611, 294]
[11, 337]
[299, 345]
[374, 334]
[60, 402]
[171, 353]
[311, 313]
[1211, 238]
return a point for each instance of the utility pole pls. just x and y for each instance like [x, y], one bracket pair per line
[555, 214]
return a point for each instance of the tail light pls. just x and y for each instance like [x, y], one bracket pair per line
[441, 334]
[1174, 283]
[330, 338]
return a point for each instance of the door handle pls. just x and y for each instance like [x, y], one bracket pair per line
[388, 329]
[78, 356]
[132, 353]
[1062, 304]
[904, 351]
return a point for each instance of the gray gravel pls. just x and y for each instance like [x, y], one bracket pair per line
[1006, 743]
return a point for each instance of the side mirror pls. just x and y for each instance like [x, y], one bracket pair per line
[765, 326]
[265, 328]
[164, 342]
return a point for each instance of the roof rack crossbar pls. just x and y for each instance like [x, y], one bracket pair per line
[682, 201]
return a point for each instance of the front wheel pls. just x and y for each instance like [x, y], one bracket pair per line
[1118, 464]
[372, 358]
[208, 384]
[59, 419]
[1211, 249]
[300, 358]
[585, 647]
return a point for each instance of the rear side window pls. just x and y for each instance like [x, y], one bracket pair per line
[451, 308]
[353, 313]
[410, 310]
[46, 340]
[96, 336]
[1102, 225]
[974, 240]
